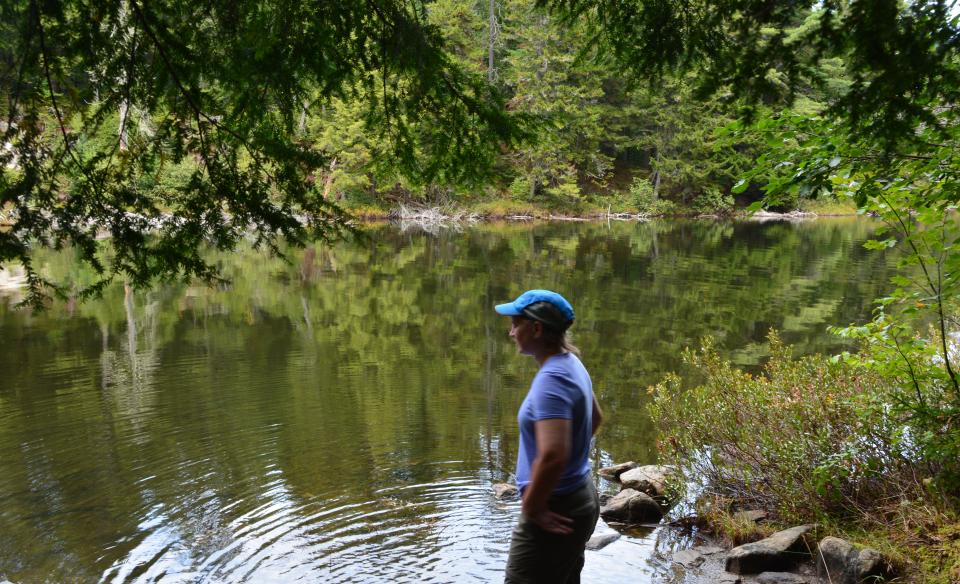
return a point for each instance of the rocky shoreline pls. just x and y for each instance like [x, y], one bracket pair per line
[432, 216]
[789, 556]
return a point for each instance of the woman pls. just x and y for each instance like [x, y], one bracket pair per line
[558, 418]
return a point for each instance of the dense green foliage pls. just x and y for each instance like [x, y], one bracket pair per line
[815, 440]
[805, 437]
[914, 191]
[901, 57]
[257, 117]
[119, 115]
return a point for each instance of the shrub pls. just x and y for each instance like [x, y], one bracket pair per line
[806, 438]
[520, 188]
[641, 192]
[711, 200]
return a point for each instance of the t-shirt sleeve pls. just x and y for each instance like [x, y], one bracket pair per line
[551, 398]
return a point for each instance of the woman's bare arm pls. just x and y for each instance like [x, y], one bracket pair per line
[553, 452]
[597, 415]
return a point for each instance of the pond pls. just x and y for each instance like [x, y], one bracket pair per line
[340, 417]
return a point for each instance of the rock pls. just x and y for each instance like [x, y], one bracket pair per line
[841, 563]
[750, 515]
[598, 542]
[781, 578]
[505, 491]
[632, 507]
[650, 479]
[709, 550]
[688, 558]
[612, 473]
[872, 566]
[780, 551]
[728, 578]
[833, 556]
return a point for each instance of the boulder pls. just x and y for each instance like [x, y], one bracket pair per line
[841, 563]
[612, 473]
[779, 552]
[650, 479]
[632, 506]
[505, 491]
[781, 578]
[598, 542]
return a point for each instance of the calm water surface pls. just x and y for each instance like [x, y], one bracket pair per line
[340, 418]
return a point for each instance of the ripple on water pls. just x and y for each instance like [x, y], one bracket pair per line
[431, 532]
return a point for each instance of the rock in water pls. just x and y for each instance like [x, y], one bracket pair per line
[650, 479]
[505, 491]
[598, 542]
[778, 552]
[612, 473]
[841, 563]
[632, 506]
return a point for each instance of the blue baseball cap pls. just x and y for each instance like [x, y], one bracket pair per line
[521, 307]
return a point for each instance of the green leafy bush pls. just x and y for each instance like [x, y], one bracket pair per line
[807, 437]
[711, 200]
[520, 188]
[641, 192]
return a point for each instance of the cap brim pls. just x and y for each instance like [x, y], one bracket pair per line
[507, 309]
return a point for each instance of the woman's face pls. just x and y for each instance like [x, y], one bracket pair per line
[524, 333]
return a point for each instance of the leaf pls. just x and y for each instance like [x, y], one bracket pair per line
[740, 186]
[900, 280]
[880, 244]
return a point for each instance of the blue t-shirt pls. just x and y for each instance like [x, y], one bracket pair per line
[561, 389]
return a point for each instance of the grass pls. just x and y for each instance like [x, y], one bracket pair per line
[365, 211]
[717, 518]
[828, 206]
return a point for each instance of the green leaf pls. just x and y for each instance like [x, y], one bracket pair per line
[880, 244]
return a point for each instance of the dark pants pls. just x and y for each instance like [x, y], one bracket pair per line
[538, 557]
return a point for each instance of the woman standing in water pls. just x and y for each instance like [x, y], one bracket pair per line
[558, 418]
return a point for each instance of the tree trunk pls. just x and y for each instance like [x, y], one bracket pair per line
[328, 181]
[656, 179]
[302, 125]
[491, 38]
[124, 112]
[125, 32]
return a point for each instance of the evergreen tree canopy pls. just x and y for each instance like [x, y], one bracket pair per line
[902, 55]
[169, 125]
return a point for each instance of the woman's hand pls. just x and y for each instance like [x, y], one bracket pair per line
[552, 522]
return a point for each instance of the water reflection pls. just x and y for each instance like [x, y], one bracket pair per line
[340, 417]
